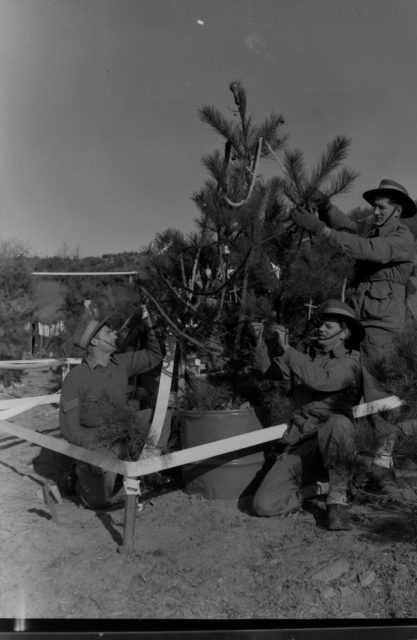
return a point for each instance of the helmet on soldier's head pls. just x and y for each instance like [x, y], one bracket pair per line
[86, 330]
[343, 312]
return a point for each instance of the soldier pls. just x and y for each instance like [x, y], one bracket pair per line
[320, 440]
[101, 371]
[385, 263]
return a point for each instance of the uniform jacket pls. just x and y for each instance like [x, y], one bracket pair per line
[324, 383]
[385, 263]
[79, 417]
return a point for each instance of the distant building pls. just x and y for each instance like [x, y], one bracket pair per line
[47, 322]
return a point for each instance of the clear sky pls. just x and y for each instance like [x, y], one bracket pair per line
[100, 136]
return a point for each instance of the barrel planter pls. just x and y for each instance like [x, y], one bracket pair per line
[224, 477]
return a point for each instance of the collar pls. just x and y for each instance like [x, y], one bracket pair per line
[93, 364]
[338, 352]
[386, 229]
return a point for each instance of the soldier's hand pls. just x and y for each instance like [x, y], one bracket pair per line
[307, 221]
[257, 330]
[282, 335]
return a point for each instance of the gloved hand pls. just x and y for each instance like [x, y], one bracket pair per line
[307, 221]
[282, 335]
[336, 219]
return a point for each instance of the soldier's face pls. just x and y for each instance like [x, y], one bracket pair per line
[331, 334]
[106, 339]
[384, 210]
[328, 329]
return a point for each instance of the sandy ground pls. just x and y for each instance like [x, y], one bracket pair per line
[194, 558]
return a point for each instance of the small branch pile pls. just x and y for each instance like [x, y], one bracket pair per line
[123, 429]
[203, 395]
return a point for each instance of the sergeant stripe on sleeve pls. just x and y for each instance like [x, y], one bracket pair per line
[67, 405]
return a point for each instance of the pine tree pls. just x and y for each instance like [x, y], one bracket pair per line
[217, 280]
[246, 262]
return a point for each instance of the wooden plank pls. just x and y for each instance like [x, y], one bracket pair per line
[106, 460]
[367, 408]
[204, 451]
[85, 273]
[164, 391]
[13, 406]
[151, 463]
[41, 363]
[103, 459]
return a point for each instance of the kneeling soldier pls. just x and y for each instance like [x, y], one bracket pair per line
[102, 371]
[320, 439]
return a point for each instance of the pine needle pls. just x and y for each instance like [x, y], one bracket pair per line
[336, 151]
[295, 169]
[214, 163]
[215, 119]
[342, 182]
[122, 427]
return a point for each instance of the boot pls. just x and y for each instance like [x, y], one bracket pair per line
[338, 517]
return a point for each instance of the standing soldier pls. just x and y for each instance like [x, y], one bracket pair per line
[385, 263]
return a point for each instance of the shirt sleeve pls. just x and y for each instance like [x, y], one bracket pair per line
[260, 357]
[323, 374]
[397, 247]
[144, 359]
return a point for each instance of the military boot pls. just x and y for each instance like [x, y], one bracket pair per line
[338, 517]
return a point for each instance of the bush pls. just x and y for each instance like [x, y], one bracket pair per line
[16, 303]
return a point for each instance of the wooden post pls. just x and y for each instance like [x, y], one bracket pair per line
[129, 522]
[132, 489]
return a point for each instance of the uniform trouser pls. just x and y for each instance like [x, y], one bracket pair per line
[376, 346]
[97, 488]
[328, 454]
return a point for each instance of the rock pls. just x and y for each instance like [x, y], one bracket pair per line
[346, 592]
[329, 593]
[331, 571]
[366, 578]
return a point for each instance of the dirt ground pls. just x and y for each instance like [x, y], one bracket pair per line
[194, 558]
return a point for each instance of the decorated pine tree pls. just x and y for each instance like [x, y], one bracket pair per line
[216, 281]
[246, 262]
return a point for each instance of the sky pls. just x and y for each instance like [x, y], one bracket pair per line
[101, 142]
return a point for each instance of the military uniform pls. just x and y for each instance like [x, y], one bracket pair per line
[385, 264]
[320, 439]
[80, 418]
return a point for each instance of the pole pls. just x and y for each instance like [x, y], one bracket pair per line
[132, 489]
[129, 522]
